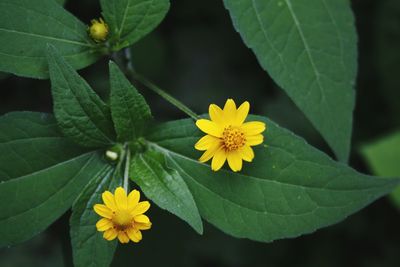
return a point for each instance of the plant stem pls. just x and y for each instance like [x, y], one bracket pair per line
[126, 172]
[150, 85]
[166, 96]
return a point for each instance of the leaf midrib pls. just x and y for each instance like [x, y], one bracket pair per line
[51, 166]
[307, 49]
[46, 37]
[266, 180]
[55, 193]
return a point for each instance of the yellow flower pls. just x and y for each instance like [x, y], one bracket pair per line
[98, 30]
[228, 136]
[122, 216]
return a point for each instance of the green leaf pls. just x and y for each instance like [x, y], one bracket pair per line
[61, 2]
[129, 109]
[130, 20]
[383, 158]
[35, 192]
[88, 245]
[165, 187]
[26, 27]
[80, 112]
[309, 49]
[30, 142]
[288, 190]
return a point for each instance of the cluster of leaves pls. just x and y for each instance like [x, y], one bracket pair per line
[50, 163]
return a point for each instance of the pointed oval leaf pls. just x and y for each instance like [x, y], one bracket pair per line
[288, 190]
[309, 47]
[37, 192]
[165, 187]
[26, 27]
[130, 20]
[89, 248]
[81, 114]
[129, 109]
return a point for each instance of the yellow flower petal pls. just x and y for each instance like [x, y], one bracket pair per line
[209, 127]
[104, 224]
[242, 113]
[253, 127]
[134, 235]
[206, 142]
[254, 140]
[133, 198]
[110, 234]
[103, 211]
[141, 208]
[120, 198]
[108, 199]
[142, 218]
[218, 159]
[230, 111]
[123, 237]
[235, 161]
[209, 153]
[216, 114]
[247, 153]
[142, 226]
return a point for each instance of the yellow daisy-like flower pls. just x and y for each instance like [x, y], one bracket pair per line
[122, 216]
[228, 136]
[98, 31]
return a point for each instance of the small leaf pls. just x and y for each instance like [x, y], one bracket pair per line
[26, 27]
[309, 47]
[383, 157]
[129, 109]
[130, 20]
[35, 192]
[165, 187]
[88, 245]
[81, 114]
[288, 190]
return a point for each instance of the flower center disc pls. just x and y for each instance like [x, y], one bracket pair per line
[122, 219]
[233, 138]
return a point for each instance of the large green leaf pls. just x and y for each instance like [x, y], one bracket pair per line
[309, 49]
[30, 142]
[129, 109]
[80, 112]
[130, 20]
[383, 157]
[165, 187]
[35, 192]
[27, 26]
[289, 189]
[88, 245]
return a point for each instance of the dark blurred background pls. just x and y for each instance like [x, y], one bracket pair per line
[197, 56]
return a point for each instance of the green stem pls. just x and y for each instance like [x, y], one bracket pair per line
[126, 172]
[166, 96]
[150, 85]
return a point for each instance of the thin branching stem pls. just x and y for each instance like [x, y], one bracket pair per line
[150, 85]
[126, 172]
